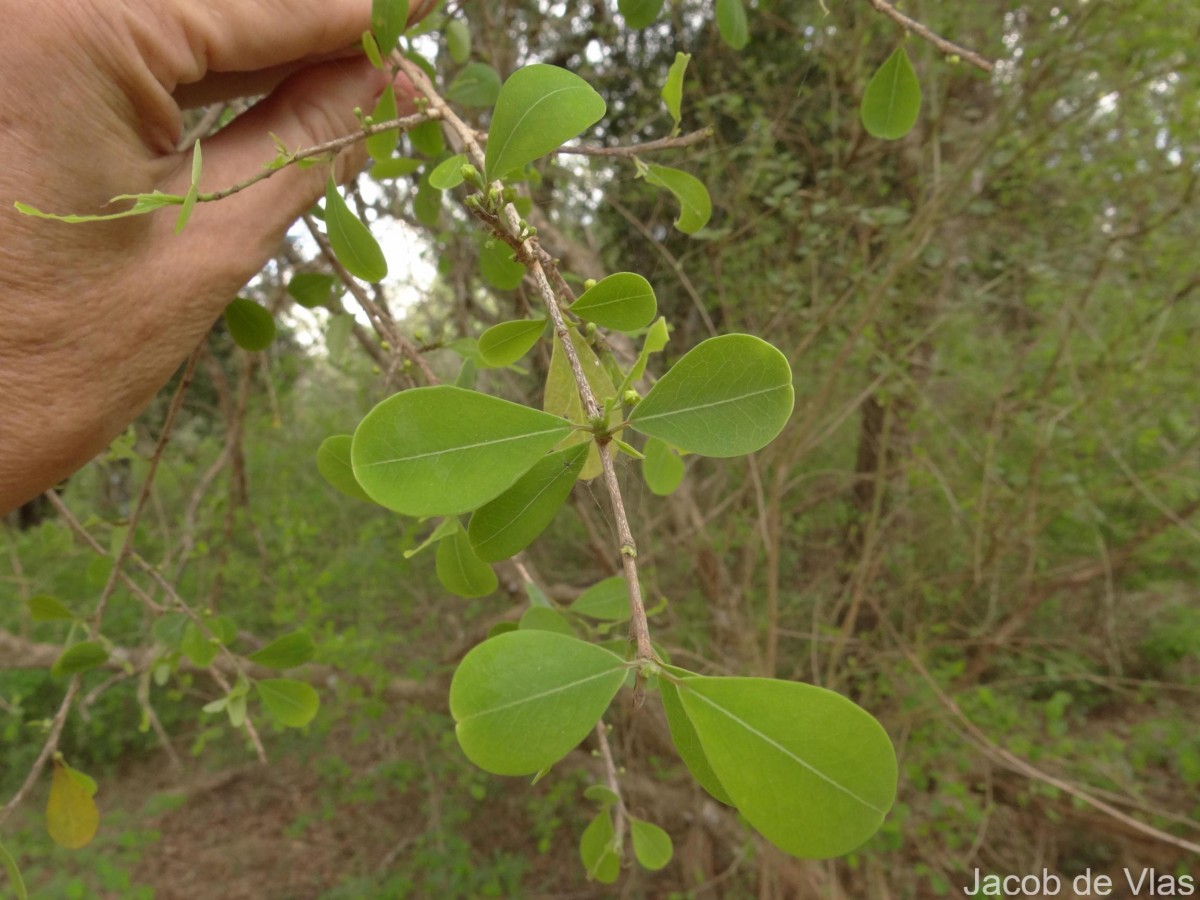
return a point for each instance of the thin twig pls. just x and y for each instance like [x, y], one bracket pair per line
[48, 748]
[948, 47]
[614, 785]
[632, 150]
[382, 319]
[1012, 762]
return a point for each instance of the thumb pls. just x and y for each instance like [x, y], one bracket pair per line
[312, 106]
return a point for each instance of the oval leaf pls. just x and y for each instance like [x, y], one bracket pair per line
[539, 108]
[639, 13]
[538, 618]
[892, 101]
[598, 850]
[547, 688]
[389, 18]
[458, 40]
[79, 658]
[814, 773]
[352, 242]
[476, 85]
[448, 173]
[290, 703]
[622, 302]
[731, 22]
[606, 600]
[44, 608]
[312, 289]
[499, 268]
[695, 206]
[662, 469]
[511, 522]
[382, 144]
[72, 818]
[441, 451]
[395, 168]
[460, 570]
[333, 462]
[728, 396]
[651, 845]
[504, 344]
[250, 325]
[427, 138]
[291, 650]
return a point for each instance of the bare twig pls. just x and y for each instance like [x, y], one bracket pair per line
[614, 785]
[948, 47]
[632, 150]
[48, 748]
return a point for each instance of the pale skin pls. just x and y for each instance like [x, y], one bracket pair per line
[95, 318]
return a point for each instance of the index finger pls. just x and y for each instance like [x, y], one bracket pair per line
[252, 35]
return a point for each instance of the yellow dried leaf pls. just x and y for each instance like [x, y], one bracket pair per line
[72, 818]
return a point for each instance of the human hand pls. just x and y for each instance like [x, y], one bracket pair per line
[95, 318]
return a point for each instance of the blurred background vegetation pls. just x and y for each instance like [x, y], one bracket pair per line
[980, 523]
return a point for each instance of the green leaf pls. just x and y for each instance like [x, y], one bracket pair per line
[504, 344]
[44, 608]
[672, 90]
[352, 242]
[251, 326]
[14, 873]
[291, 650]
[198, 647]
[460, 570]
[169, 630]
[333, 462]
[458, 40]
[662, 468]
[539, 108]
[606, 600]
[337, 337]
[639, 13]
[686, 741]
[651, 845]
[892, 101]
[656, 338]
[622, 302]
[562, 394]
[728, 396]
[498, 268]
[427, 204]
[477, 85]
[523, 700]
[510, 523]
[598, 851]
[142, 204]
[444, 529]
[72, 818]
[441, 451]
[291, 703]
[448, 173]
[695, 206]
[193, 194]
[371, 48]
[79, 658]
[312, 289]
[99, 568]
[731, 22]
[602, 794]
[538, 618]
[397, 167]
[814, 773]
[389, 18]
[427, 138]
[382, 144]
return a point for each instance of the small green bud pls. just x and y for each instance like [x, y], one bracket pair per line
[470, 175]
[589, 284]
[384, 345]
[375, 370]
[510, 195]
[591, 330]
[631, 397]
